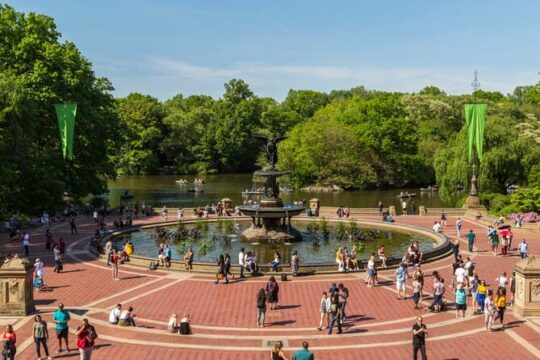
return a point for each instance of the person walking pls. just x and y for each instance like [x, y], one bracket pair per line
[493, 240]
[26, 243]
[276, 261]
[461, 300]
[381, 207]
[444, 219]
[323, 307]
[241, 262]
[86, 336]
[277, 352]
[416, 287]
[115, 259]
[272, 293]
[471, 237]
[401, 277]
[419, 331]
[404, 207]
[370, 270]
[459, 224]
[73, 226]
[10, 343]
[489, 310]
[295, 263]
[335, 314]
[228, 267]
[221, 273]
[41, 335]
[108, 251]
[455, 249]
[500, 303]
[481, 293]
[61, 318]
[261, 307]
[343, 294]
[304, 353]
[523, 248]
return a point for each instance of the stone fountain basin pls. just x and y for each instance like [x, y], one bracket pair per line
[271, 212]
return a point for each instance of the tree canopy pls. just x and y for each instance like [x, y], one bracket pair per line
[354, 138]
[36, 72]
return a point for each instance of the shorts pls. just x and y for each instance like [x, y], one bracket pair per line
[461, 306]
[62, 333]
[400, 285]
[370, 272]
[437, 299]
[167, 258]
[416, 297]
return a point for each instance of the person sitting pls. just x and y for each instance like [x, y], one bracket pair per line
[172, 326]
[127, 318]
[389, 218]
[114, 315]
[185, 328]
[188, 259]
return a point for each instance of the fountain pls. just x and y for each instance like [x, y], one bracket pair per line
[271, 220]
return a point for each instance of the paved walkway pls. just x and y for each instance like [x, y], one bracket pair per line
[378, 326]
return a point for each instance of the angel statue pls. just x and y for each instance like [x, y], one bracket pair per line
[271, 148]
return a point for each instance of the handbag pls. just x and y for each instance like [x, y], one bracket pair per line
[219, 276]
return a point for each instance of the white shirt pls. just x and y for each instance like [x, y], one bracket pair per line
[115, 315]
[39, 268]
[502, 281]
[437, 228]
[404, 205]
[241, 258]
[56, 253]
[371, 264]
[124, 315]
[26, 239]
[460, 274]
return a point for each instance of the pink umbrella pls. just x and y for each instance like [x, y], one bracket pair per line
[506, 233]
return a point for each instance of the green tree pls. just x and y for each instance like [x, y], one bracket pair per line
[143, 130]
[36, 72]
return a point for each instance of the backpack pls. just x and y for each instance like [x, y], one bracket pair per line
[152, 266]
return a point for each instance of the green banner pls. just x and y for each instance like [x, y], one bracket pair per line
[66, 122]
[475, 117]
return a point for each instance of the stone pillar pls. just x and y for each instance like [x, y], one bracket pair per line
[422, 211]
[314, 205]
[392, 210]
[227, 203]
[527, 297]
[16, 292]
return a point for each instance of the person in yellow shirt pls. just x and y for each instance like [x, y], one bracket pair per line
[481, 295]
[500, 303]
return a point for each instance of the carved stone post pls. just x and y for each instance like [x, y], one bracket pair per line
[527, 297]
[16, 292]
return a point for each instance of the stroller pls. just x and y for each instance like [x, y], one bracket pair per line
[38, 284]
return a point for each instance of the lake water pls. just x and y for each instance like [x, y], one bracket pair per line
[215, 241]
[162, 190]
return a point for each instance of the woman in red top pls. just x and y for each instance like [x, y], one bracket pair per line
[86, 334]
[8, 347]
[115, 258]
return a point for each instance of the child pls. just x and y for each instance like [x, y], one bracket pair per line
[416, 292]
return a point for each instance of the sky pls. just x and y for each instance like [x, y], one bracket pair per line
[163, 48]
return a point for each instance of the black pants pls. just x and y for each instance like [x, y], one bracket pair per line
[25, 250]
[42, 341]
[241, 271]
[422, 348]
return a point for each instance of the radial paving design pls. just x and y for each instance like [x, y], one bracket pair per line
[378, 326]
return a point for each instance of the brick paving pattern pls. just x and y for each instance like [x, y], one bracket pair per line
[223, 316]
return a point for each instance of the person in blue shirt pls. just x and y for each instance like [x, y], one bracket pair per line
[461, 300]
[523, 249]
[61, 318]
[304, 353]
[471, 236]
[401, 277]
[168, 255]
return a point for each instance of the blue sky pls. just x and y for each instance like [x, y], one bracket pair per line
[164, 48]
